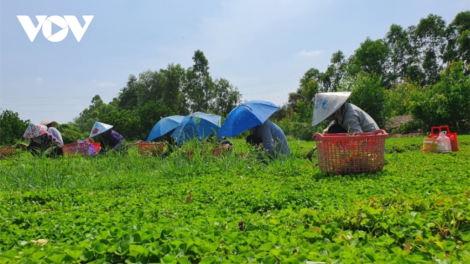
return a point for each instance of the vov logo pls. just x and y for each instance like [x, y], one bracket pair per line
[64, 23]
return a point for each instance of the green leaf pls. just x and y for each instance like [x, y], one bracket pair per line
[266, 247]
[75, 254]
[56, 258]
[38, 255]
[291, 261]
[183, 260]
[207, 260]
[269, 260]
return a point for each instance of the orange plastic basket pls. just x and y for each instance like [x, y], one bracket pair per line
[87, 147]
[151, 149]
[6, 151]
[351, 153]
[220, 151]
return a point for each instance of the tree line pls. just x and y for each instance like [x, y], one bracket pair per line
[155, 94]
[422, 70]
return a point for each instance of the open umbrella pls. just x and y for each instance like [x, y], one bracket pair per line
[246, 116]
[197, 125]
[164, 126]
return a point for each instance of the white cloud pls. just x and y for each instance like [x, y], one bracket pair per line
[310, 53]
[38, 80]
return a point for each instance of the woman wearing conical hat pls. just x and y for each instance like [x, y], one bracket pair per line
[111, 138]
[344, 117]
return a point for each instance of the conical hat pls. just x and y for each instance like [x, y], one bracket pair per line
[99, 128]
[326, 104]
[47, 122]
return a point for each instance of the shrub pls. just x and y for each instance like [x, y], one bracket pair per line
[369, 95]
[70, 133]
[11, 127]
[300, 130]
[409, 127]
[445, 103]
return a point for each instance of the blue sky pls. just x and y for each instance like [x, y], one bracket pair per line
[262, 47]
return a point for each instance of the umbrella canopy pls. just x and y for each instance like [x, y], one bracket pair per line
[34, 131]
[164, 126]
[326, 104]
[246, 116]
[197, 125]
[99, 128]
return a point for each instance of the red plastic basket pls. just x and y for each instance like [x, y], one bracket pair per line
[351, 153]
[87, 147]
[6, 151]
[452, 136]
[151, 149]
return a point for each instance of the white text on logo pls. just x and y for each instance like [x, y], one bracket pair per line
[64, 23]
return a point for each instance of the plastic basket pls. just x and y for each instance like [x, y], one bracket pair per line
[86, 147]
[429, 145]
[452, 136]
[6, 151]
[351, 153]
[151, 149]
[221, 151]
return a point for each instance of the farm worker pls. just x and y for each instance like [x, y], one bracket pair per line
[54, 131]
[344, 117]
[271, 137]
[41, 140]
[111, 138]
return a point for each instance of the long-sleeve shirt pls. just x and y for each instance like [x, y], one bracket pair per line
[56, 133]
[112, 138]
[274, 140]
[355, 120]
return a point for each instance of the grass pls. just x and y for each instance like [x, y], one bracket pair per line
[134, 209]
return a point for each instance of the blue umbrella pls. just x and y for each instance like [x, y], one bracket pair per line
[164, 126]
[246, 116]
[197, 125]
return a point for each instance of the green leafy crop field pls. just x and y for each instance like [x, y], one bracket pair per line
[135, 209]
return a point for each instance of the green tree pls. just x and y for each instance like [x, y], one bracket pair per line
[226, 96]
[445, 103]
[125, 122]
[199, 87]
[172, 94]
[458, 39]
[128, 96]
[403, 55]
[336, 70]
[430, 39]
[149, 115]
[12, 127]
[371, 57]
[301, 102]
[94, 112]
[370, 96]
